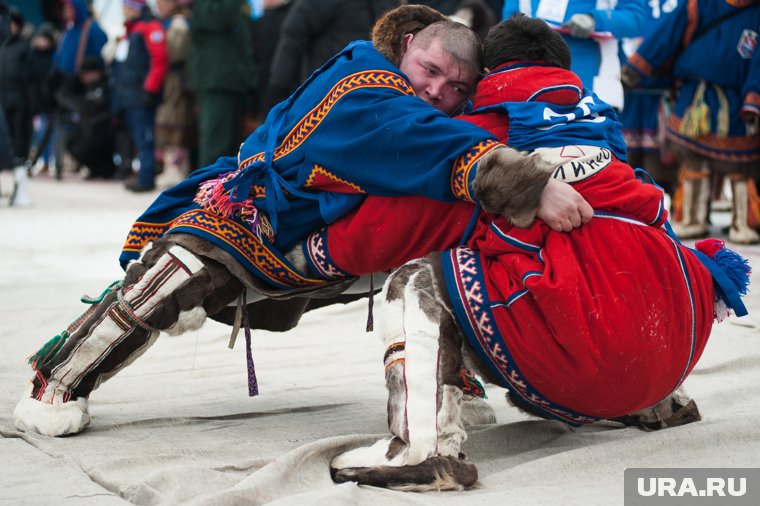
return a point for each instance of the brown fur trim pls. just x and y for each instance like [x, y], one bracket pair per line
[388, 33]
[510, 183]
[435, 473]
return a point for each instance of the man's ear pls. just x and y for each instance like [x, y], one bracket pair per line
[486, 70]
[406, 43]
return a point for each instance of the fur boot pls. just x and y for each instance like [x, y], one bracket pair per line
[691, 221]
[740, 231]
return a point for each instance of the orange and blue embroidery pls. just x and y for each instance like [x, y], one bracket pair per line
[255, 254]
[324, 180]
[460, 175]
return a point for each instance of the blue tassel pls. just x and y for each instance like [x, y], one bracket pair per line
[729, 270]
[736, 267]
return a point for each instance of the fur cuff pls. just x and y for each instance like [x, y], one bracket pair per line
[510, 183]
[388, 33]
[56, 419]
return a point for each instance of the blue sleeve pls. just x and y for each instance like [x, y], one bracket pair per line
[661, 42]
[625, 20]
[97, 39]
[751, 89]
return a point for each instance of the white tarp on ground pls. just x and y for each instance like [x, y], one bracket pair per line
[177, 427]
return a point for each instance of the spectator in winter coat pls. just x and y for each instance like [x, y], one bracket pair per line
[312, 32]
[81, 28]
[15, 78]
[5, 140]
[265, 33]
[175, 125]
[221, 72]
[139, 83]
[91, 143]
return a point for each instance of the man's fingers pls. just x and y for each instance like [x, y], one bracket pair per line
[586, 211]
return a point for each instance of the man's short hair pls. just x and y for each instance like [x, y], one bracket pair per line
[523, 38]
[456, 39]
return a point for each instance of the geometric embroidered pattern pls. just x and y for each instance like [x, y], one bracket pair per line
[255, 254]
[738, 148]
[480, 327]
[325, 180]
[319, 257]
[142, 233]
[460, 174]
[304, 128]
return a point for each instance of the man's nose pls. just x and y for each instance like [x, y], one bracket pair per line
[435, 89]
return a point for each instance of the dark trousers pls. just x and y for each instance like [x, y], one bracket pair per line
[94, 147]
[141, 124]
[20, 126]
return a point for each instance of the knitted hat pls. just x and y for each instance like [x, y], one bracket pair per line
[137, 5]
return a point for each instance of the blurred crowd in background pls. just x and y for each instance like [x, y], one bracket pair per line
[184, 82]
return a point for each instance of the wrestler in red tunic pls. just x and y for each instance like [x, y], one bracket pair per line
[595, 323]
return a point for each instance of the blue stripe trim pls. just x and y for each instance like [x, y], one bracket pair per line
[648, 179]
[513, 241]
[632, 221]
[556, 88]
[511, 300]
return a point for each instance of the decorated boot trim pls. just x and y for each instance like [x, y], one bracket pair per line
[54, 345]
[471, 385]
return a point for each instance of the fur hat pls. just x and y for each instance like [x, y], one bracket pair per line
[388, 33]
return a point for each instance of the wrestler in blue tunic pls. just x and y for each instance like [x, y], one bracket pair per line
[353, 128]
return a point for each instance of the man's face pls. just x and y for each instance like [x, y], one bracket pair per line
[165, 7]
[436, 76]
[131, 14]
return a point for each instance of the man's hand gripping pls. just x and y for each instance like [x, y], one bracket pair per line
[563, 208]
[520, 187]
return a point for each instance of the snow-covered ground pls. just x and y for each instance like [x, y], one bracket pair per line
[178, 427]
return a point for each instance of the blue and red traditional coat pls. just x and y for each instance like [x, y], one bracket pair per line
[353, 128]
[723, 56]
[594, 323]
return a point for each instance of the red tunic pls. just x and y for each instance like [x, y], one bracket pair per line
[595, 323]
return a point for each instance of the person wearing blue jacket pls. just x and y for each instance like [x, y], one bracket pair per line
[82, 29]
[710, 47]
[592, 29]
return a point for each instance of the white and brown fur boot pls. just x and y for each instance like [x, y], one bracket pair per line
[422, 363]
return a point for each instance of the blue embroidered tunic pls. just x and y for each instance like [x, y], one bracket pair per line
[353, 128]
